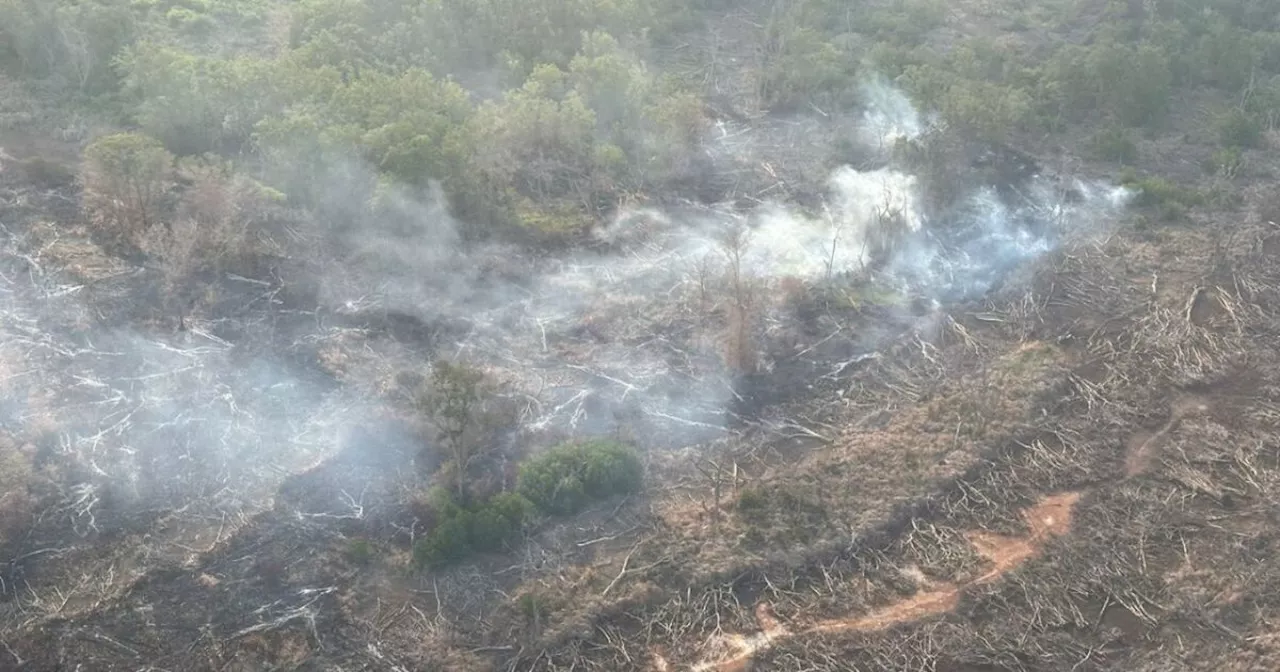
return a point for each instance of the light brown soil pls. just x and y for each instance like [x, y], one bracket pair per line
[1051, 517]
[1144, 446]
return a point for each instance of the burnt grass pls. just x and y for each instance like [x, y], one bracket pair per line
[1167, 569]
[1108, 596]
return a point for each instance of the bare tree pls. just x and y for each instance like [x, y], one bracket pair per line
[739, 345]
[716, 474]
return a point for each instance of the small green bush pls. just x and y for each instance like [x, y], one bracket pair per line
[125, 178]
[1114, 144]
[1239, 129]
[445, 545]
[752, 500]
[482, 528]
[566, 478]
[1160, 192]
[774, 514]
[533, 607]
[500, 520]
[1226, 162]
[359, 552]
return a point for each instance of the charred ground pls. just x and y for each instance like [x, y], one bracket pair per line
[1066, 461]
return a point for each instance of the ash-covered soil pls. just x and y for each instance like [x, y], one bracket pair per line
[1062, 460]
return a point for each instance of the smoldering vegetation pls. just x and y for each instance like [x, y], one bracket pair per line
[274, 412]
[572, 335]
[632, 332]
[662, 329]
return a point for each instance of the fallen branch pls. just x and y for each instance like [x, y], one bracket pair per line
[625, 562]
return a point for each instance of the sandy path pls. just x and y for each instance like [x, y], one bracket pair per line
[1049, 518]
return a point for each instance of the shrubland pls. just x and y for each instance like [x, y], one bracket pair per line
[541, 116]
[560, 481]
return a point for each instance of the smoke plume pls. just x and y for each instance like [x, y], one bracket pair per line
[626, 337]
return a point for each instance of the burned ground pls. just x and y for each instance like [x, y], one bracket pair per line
[869, 511]
[1066, 460]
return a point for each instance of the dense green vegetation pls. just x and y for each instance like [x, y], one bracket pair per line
[562, 480]
[480, 527]
[541, 114]
[566, 478]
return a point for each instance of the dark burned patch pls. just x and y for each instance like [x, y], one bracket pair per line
[1271, 245]
[1119, 618]
[357, 490]
[172, 618]
[820, 358]
[1205, 307]
[422, 333]
[1233, 391]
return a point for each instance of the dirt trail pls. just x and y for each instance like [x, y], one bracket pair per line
[1143, 446]
[1050, 517]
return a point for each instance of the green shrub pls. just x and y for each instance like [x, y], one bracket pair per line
[1238, 129]
[125, 178]
[71, 45]
[359, 552]
[552, 219]
[562, 480]
[1226, 162]
[533, 607]
[1114, 144]
[752, 500]
[191, 22]
[566, 478]
[500, 520]
[1160, 192]
[775, 513]
[482, 528]
[445, 545]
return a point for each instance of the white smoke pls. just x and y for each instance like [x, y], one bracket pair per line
[889, 115]
[989, 234]
[862, 208]
[632, 329]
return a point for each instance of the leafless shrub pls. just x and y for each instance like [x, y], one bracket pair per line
[15, 474]
[222, 210]
[210, 228]
[1269, 207]
[792, 290]
[739, 337]
[739, 342]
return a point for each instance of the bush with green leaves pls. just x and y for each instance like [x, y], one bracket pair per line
[1158, 190]
[125, 177]
[566, 478]
[1239, 129]
[68, 44]
[1169, 199]
[359, 552]
[1115, 144]
[196, 104]
[780, 513]
[1226, 162]
[482, 527]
